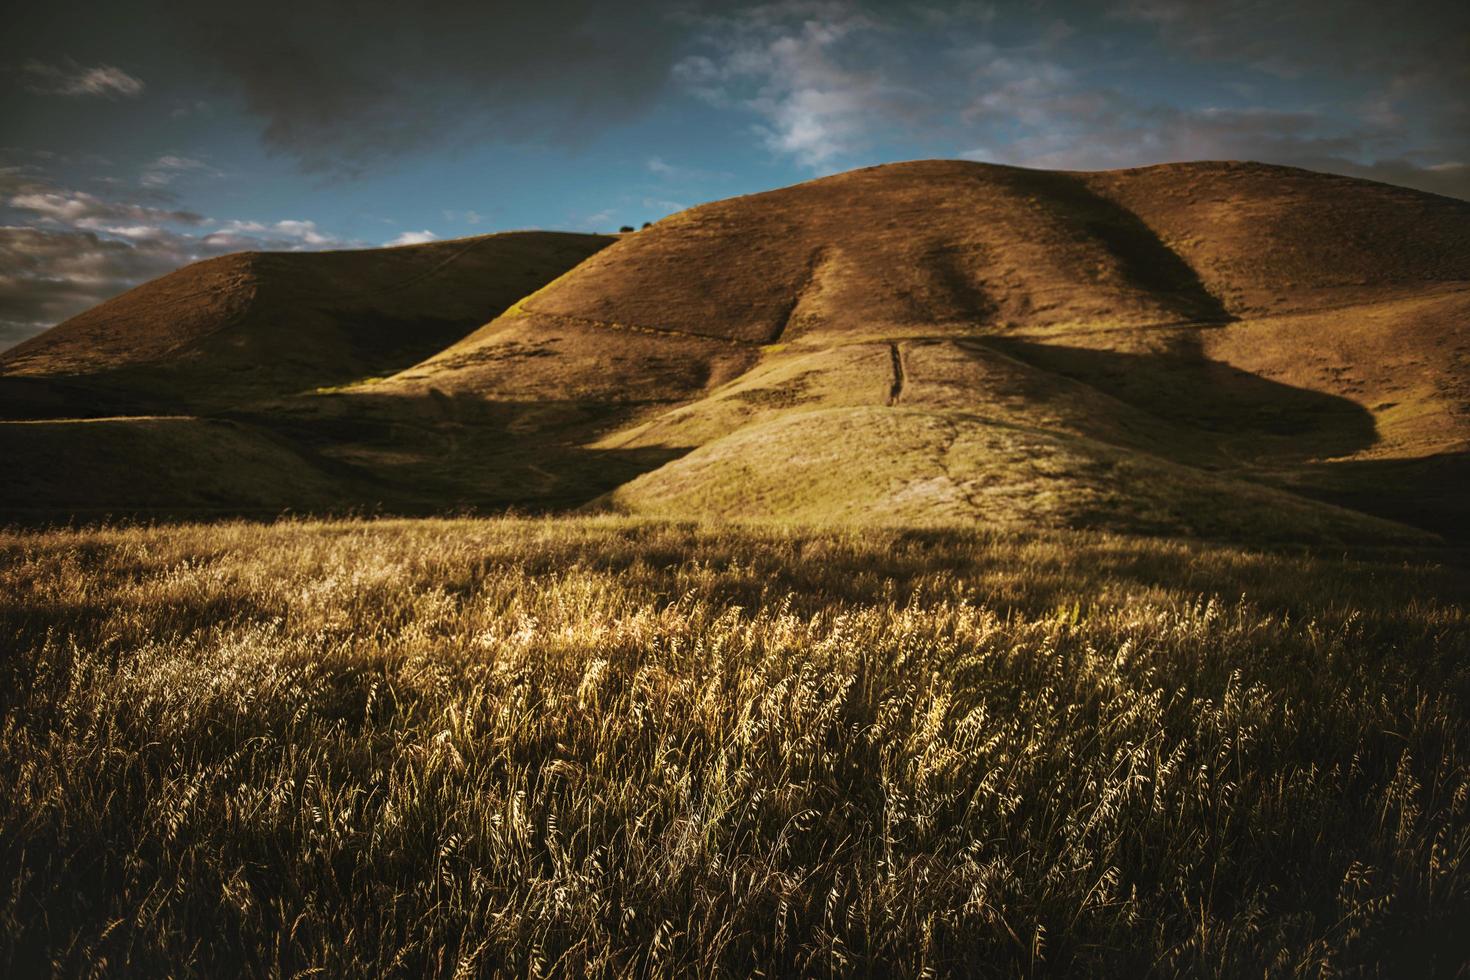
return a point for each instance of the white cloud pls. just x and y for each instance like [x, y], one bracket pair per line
[306, 231]
[672, 173]
[596, 222]
[413, 238]
[789, 64]
[245, 227]
[290, 234]
[72, 79]
[79, 208]
[667, 207]
[464, 217]
[80, 249]
[166, 169]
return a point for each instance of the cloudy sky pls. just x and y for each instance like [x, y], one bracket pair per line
[137, 135]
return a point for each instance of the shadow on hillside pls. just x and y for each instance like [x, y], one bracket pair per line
[23, 397]
[1428, 492]
[1146, 262]
[433, 452]
[380, 344]
[347, 346]
[1247, 416]
[404, 455]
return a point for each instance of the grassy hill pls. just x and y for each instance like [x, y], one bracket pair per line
[226, 331]
[1219, 349]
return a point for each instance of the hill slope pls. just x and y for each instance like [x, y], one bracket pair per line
[1223, 349]
[1251, 323]
[257, 324]
[955, 248]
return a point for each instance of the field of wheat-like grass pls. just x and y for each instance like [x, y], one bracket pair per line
[604, 747]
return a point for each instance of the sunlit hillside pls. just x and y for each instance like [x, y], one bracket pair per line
[1220, 350]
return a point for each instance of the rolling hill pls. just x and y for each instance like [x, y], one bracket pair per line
[256, 324]
[1219, 349]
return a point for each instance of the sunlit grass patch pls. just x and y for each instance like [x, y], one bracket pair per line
[599, 746]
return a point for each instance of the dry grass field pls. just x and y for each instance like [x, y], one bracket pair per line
[608, 747]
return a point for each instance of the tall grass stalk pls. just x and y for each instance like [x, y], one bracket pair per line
[600, 747]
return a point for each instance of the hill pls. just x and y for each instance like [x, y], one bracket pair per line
[1219, 349]
[256, 324]
[1095, 331]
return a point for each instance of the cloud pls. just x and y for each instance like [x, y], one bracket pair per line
[671, 174]
[807, 69]
[1055, 85]
[306, 231]
[91, 212]
[168, 168]
[47, 276]
[464, 217]
[1411, 58]
[69, 78]
[347, 95]
[413, 238]
[596, 222]
[80, 249]
[1037, 112]
[290, 235]
[183, 109]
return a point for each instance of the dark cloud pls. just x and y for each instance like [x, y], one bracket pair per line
[1039, 84]
[48, 276]
[1414, 58]
[343, 89]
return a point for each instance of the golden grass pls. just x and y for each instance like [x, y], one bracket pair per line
[602, 747]
[886, 465]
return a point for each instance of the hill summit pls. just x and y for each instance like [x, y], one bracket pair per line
[1219, 349]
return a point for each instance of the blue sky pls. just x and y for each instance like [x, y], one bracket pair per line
[138, 135]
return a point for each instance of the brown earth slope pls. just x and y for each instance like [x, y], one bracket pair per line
[255, 324]
[1222, 349]
[1254, 323]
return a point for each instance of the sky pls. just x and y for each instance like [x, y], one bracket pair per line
[139, 135]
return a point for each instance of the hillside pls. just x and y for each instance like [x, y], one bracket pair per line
[1085, 335]
[1218, 349]
[256, 324]
[156, 466]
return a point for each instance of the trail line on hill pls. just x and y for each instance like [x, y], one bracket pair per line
[634, 328]
[435, 269]
[1237, 320]
[895, 391]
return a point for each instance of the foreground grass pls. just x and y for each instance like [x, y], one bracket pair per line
[521, 747]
